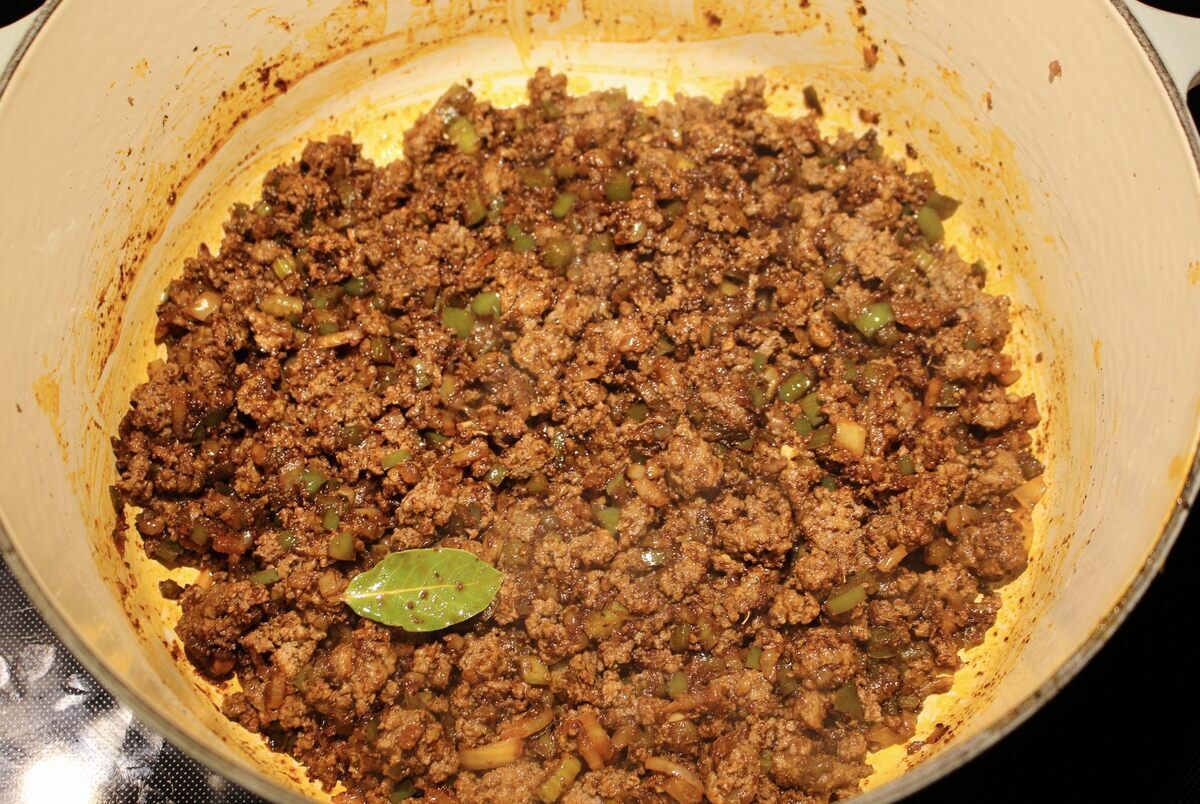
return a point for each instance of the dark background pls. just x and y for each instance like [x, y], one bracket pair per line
[1128, 726]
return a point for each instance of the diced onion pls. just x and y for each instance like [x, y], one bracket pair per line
[649, 491]
[960, 515]
[559, 779]
[204, 305]
[494, 755]
[894, 557]
[529, 723]
[850, 436]
[685, 786]
[594, 744]
[1029, 492]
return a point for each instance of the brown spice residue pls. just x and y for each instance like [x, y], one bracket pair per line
[870, 55]
[1055, 70]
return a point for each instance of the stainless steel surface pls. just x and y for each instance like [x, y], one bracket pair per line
[64, 738]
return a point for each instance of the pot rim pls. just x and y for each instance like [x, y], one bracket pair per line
[906, 784]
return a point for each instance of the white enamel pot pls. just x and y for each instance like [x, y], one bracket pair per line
[127, 128]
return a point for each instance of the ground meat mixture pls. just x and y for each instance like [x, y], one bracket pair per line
[707, 388]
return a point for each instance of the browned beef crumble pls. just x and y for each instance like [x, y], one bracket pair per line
[635, 367]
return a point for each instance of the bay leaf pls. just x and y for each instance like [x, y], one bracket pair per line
[424, 590]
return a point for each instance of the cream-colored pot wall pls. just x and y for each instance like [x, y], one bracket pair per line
[128, 128]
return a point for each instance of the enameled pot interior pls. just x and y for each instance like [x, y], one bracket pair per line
[1079, 191]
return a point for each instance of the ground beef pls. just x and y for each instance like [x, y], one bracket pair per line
[748, 342]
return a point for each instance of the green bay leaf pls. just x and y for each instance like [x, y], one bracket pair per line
[424, 590]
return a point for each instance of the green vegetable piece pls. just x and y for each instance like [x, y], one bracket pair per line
[461, 132]
[832, 275]
[403, 792]
[536, 177]
[677, 684]
[609, 516]
[323, 298]
[794, 387]
[618, 187]
[562, 205]
[424, 590]
[281, 306]
[268, 576]
[473, 212]
[786, 682]
[653, 557]
[495, 476]
[943, 205]
[681, 635]
[167, 551]
[906, 465]
[846, 598]
[923, 258]
[871, 319]
[829, 483]
[379, 350]
[284, 267]
[459, 319]
[599, 244]
[486, 303]
[286, 540]
[534, 671]
[846, 701]
[353, 434]
[637, 412]
[327, 327]
[802, 425]
[522, 243]
[600, 625]
[341, 546]
[930, 224]
[263, 209]
[811, 407]
[821, 437]
[538, 484]
[331, 519]
[754, 658]
[760, 361]
[888, 335]
[395, 458]
[706, 635]
[758, 396]
[558, 253]
[199, 535]
[560, 778]
[422, 375]
[311, 481]
[356, 286]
